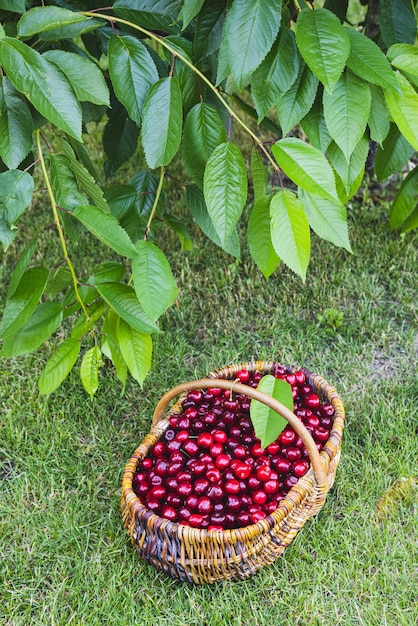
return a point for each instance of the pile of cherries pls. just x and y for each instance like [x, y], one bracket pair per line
[209, 471]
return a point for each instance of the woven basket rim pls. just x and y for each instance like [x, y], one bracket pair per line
[304, 488]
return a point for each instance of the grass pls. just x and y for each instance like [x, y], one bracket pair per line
[65, 557]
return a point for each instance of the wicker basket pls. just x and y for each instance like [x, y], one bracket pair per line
[200, 556]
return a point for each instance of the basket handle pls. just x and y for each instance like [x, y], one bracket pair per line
[297, 425]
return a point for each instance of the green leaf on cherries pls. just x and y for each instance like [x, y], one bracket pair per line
[267, 423]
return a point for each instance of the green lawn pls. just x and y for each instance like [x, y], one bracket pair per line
[64, 555]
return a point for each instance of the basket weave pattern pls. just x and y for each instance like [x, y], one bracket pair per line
[200, 556]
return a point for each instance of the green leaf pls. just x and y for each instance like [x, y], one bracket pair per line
[339, 7]
[323, 43]
[346, 111]
[85, 77]
[59, 365]
[153, 280]
[152, 14]
[84, 179]
[306, 166]
[43, 84]
[349, 171]
[297, 101]
[124, 302]
[16, 125]
[16, 190]
[250, 29]
[58, 280]
[404, 110]
[203, 132]
[411, 222]
[405, 58]
[20, 306]
[20, 267]
[406, 200]
[162, 122]
[315, 127]
[276, 74]
[290, 231]
[132, 72]
[106, 228]
[42, 19]
[392, 155]
[379, 123]
[327, 218]
[267, 423]
[107, 272]
[398, 23]
[110, 346]
[208, 29]
[259, 175]
[89, 370]
[368, 61]
[195, 202]
[225, 188]
[259, 238]
[120, 199]
[181, 230]
[44, 321]
[136, 349]
[71, 31]
[189, 10]
[66, 191]
[17, 6]
[120, 139]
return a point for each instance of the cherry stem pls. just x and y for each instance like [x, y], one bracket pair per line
[154, 206]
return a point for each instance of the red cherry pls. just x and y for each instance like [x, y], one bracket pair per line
[195, 520]
[232, 487]
[184, 489]
[219, 436]
[257, 450]
[300, 377]
[263, 473]
[200, 486]
[190, 447]
[161, 467]
[174, 500]
[158, 492]
[153, 505]
[271, 486]
[184, 513]
[273, 448]
[259, 497]
[242, 471]
[204, 505]
[158, 449]
[243, 376]
[190, 413]
[213, 475]
[321, 434]
[147, 463]
[312, 401]
[194, 396]
[173, 446]
[257, 516]
[216, 449]
[215, 493]
[205, 440]
[222, 461]
[282, 465]
[181, 436]
[299, 468]
[291, 379]
[287, 437]
[233, 502]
